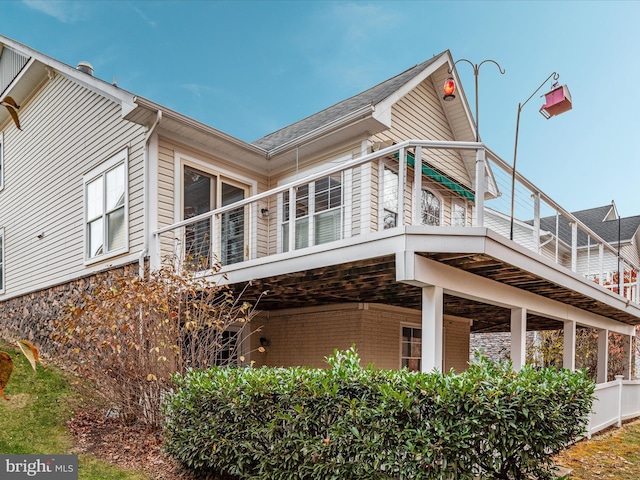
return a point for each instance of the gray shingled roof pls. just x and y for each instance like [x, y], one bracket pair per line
[371, 96]
[594, 219]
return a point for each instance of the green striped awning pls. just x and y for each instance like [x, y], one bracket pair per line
[441, 178]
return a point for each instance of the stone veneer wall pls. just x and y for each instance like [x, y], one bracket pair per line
[494, 346]
[31, 317]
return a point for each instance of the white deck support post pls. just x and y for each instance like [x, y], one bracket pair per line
[627, 341]
[536, 221]
[601, 262]
[478, 210]
[603, 355]
[402, 184]
[366, 207]
[518, 337]
[432, 328]
[417, 186]
[574, 246]
[569, 346]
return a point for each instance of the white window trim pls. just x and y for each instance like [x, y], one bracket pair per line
[121, 157]
[1, 161]
[2, 262]
[415, 327]
[180, 160]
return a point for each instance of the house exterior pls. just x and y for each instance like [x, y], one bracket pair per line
[365, 224]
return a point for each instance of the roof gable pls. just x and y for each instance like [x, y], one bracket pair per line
[367, 99]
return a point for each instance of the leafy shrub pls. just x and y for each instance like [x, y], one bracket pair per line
[349, 422]
[128, 334]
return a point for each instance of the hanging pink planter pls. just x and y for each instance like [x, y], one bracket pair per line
[557, 101]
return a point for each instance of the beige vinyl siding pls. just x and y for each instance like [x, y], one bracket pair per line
[305, 336]
[419, 115]
[67, 131]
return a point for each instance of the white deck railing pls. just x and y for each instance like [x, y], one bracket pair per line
[357, 196]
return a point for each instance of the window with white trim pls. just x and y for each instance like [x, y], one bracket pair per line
[106, 208]
[318, 213]
[458, 215]
[431, 208]
[203, 191]
[411, 354]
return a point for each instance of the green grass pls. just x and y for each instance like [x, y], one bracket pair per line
[33, 421]
[612, 454]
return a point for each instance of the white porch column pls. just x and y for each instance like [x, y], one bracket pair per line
[478, 210]
[432, 328]
[627, 341]
[603, 355]
[569, 347]
[518, 337]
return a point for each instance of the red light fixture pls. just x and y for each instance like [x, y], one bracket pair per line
[449, 88]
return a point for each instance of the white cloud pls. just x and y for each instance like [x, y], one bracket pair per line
[197, 90]
[63, 11]
[144, 17]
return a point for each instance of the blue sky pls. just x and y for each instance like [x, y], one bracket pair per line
[250, 67]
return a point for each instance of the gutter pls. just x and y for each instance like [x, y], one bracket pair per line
[145, 197]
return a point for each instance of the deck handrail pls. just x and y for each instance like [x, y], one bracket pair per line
[389, 151]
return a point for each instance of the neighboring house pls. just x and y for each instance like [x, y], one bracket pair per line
[330, 216]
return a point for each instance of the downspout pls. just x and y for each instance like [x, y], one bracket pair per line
[145, 198]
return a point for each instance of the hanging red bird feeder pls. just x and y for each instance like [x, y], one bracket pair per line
[557, 101]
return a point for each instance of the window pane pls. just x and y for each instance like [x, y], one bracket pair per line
[197, 200]
[96, 238]
[430, 209]
[328, 226]
[285, 237]
[232, 225]
[94, 199]
[115, 187]
[115, 230]
[302, 233]
[328, 193]
[302, 201]
[459, 215]
[390, 190]
[285, 206]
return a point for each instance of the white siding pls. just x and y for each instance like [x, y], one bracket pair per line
[67, 131]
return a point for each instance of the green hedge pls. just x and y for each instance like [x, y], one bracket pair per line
[349, 422]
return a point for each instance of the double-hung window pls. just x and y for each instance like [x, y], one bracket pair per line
[2, 260]
[318, 212]
[106, 208]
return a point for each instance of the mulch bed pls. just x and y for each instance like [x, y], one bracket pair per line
[130, 447]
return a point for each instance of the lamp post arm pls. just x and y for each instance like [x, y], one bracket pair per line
[555, 77]
[515, 149]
